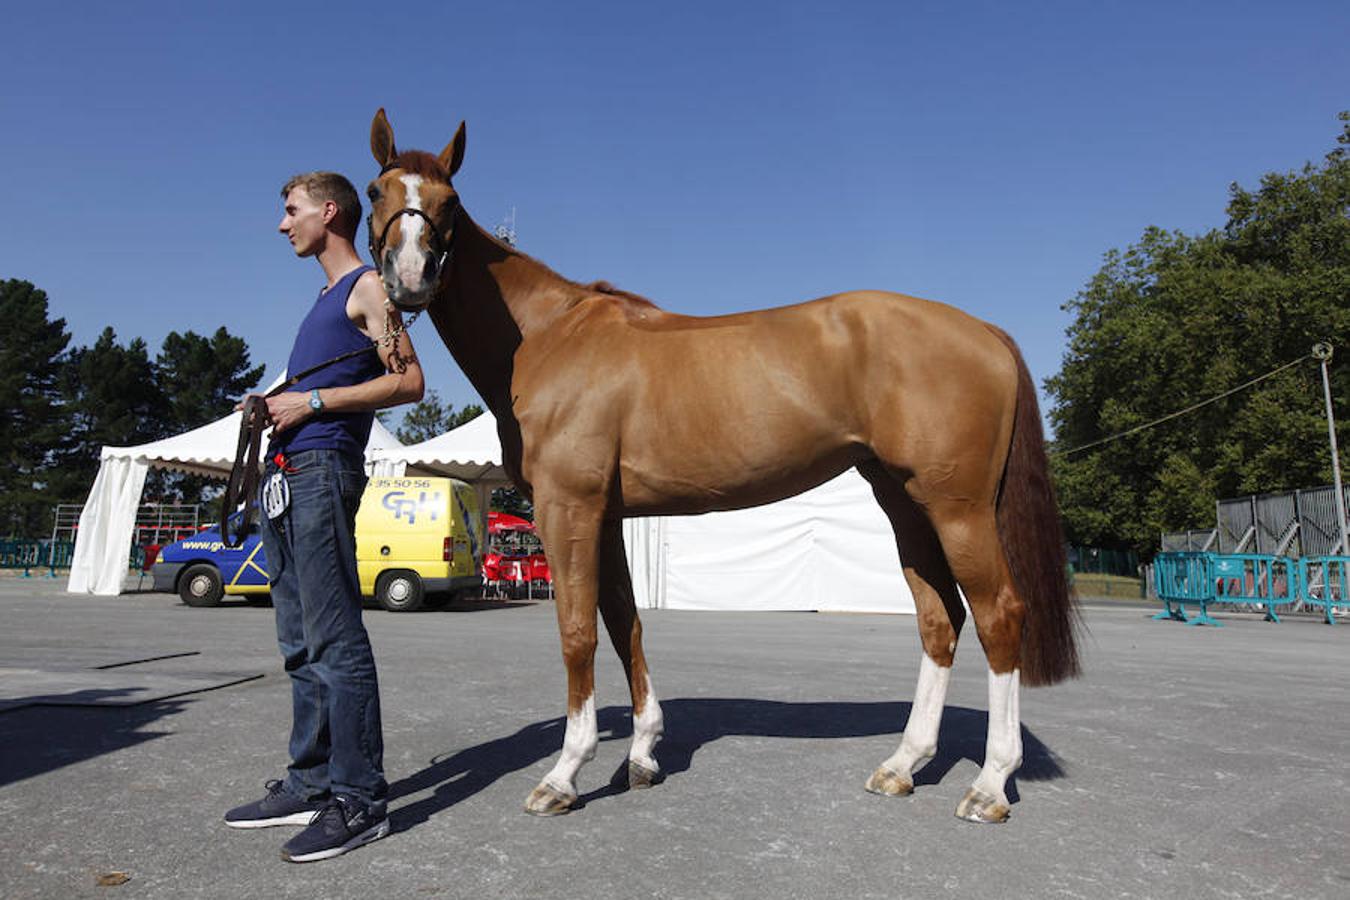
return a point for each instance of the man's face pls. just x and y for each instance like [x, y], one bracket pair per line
[303, 222]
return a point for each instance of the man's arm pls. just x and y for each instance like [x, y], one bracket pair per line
[401, 383]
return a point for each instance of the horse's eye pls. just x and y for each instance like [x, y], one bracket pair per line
[373, 193]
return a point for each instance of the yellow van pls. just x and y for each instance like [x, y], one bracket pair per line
[416, 536]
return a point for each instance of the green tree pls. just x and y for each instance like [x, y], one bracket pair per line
[429, 417]
[1176, 319]
[202, 378]
[32, 353]
[111, 397]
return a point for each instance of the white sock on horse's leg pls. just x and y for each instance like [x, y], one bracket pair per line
[919, 742]
[648, 726]
[1003, 745]
[579, 745]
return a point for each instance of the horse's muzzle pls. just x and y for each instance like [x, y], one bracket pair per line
[406, 301]
[411, 297]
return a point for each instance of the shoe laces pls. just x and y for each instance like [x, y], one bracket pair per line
[275, 787]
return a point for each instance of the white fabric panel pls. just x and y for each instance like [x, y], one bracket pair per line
[103, 541]
[830, 548]
[644, 541]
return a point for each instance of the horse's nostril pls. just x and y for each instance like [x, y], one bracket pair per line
[429, 269]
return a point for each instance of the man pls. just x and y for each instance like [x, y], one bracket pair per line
[311, 489]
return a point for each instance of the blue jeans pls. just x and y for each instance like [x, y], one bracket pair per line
[336, 743]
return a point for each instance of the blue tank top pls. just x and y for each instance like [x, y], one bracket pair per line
[326, 333]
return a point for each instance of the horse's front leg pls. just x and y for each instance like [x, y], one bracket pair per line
[571, 533]
[619, 610]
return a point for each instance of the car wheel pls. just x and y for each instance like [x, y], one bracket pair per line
[200, 585]
[399, 590]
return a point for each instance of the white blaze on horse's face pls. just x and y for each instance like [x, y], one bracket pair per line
[409, 258]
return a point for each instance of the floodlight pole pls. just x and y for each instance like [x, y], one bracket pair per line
[1322, 352]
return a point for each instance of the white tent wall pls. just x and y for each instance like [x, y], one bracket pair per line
[831, 548]
[103, 541]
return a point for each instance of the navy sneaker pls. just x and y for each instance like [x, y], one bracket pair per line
[342, 825]
[279, 807]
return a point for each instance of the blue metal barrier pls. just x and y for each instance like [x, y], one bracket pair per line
[29, 555]
[1261, 579]
[1325, 582]
[1181, 579]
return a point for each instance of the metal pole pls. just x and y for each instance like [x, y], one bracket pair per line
[1322, 351]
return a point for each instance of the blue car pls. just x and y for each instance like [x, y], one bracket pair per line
[201, 569]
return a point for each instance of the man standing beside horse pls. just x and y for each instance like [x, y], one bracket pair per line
[312, 486]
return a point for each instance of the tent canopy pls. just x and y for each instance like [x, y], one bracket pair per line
[209, 450]
[472, 452]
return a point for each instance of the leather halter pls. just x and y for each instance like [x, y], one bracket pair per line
[441, 249]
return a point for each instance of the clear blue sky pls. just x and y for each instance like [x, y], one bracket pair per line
[714, 157]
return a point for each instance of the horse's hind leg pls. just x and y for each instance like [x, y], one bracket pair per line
[971, 541]
[625, 631]
[940, 617]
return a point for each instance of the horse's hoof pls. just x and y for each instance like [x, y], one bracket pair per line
[890, 784]
[977, 806]
[639, 776]
[546, 801]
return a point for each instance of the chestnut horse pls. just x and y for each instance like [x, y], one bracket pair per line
[609, 407]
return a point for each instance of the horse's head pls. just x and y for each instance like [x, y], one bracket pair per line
[414, 211]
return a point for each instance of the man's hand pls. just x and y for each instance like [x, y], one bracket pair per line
[240, 405]
[288, 410]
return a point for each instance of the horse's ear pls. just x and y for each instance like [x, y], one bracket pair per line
[382, 139]
[453, 154]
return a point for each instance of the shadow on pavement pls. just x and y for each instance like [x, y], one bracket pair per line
[36, 739]
[691, 724]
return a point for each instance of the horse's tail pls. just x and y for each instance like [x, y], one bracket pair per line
[1033, 542]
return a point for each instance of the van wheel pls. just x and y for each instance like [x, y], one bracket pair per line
[200, 585]
[399, 590]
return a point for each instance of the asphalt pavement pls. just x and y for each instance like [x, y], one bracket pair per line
[1187, 762]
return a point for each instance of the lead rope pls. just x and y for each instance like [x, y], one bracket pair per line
[243, 482]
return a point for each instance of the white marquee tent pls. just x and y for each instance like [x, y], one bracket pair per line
[830, 548]
[99, 561]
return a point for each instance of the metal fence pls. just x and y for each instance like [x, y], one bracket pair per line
[1250, 581]
[1182, 541]
[36, 555]
[156, 523]
[1294, 523]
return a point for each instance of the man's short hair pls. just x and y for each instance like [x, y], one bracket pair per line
[325, 186]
